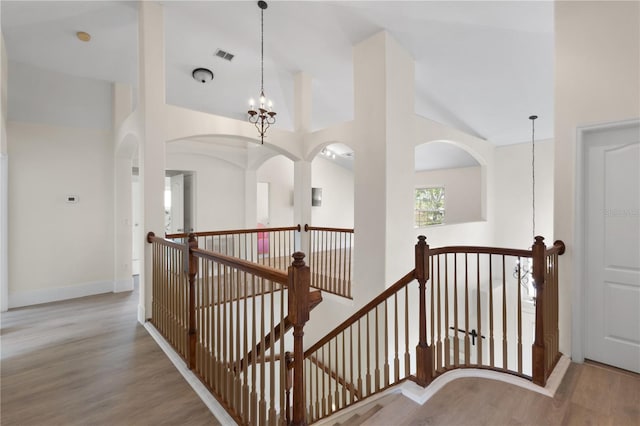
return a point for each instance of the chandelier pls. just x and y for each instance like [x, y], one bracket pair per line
[262, 115]
[523, 271]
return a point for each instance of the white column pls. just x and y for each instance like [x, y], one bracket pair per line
[383, 175]
[302, 201]
[302, 169]
[250, 198]
[152, 150]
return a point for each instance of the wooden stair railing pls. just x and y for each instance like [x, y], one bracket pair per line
[214, 338]
[315, 298]
[468, 310]
[330, 256]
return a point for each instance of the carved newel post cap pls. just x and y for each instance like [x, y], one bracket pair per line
[298, 258]
[539, 239]
[150, 236]
[422, 238]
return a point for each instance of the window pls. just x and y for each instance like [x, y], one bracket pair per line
[429, 204]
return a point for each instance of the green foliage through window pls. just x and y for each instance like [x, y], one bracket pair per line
[429, 206]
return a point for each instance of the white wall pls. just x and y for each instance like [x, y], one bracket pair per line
[4, 187]
[48, 97]
[513, 197]
[597, 69]
[219, 195]
[337, 194]
[57, 249]
[278, 172]
[462, 192]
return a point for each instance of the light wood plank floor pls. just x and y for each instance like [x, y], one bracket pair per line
[89, 362]
[590, 394]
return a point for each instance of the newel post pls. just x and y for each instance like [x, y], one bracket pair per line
[299, 278]
[193, 271]
[538, 254]
[424, 352]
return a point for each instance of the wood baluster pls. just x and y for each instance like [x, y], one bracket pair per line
[467, 342]
[386, 345]
[447, 342]
[456, 340]
[334, 367]
[396, 358]
[325, 411]
[193, 271]
[407, 354]
[272, 365]
[376, 332]
[351, 361]
[504, 314]
[491, 340]
[360, 392]
[349, 264]
[262, 405]
[254, 340]
[368, 355]
[344, 370]
[538, 350]
[424, 352]
[519, 315]
[439, 360]
[479, 310]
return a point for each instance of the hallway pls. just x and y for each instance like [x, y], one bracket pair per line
[88, 361]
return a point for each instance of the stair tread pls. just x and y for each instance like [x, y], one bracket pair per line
[394, 410]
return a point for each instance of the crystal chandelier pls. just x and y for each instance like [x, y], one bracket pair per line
[262, 115]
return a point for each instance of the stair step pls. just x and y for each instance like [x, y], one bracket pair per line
[395, 408]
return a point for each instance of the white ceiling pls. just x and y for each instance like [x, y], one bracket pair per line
[482, 67]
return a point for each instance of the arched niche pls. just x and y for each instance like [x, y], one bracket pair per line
[332, 181]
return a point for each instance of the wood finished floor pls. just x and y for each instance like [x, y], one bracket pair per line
[589, 395]
[89, 362]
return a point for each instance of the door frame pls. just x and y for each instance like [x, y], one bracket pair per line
[578, 290]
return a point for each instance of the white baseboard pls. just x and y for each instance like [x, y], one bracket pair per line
[35, 297]
[123, 285]
[214, 406]
[142, 319]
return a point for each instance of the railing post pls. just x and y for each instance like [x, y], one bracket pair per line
[299, 277]
[288, 359]
[193, 271]
[538, 254]
[424, 352]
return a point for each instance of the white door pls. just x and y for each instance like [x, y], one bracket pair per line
[177, 204]
[136, 214]
[612, 246]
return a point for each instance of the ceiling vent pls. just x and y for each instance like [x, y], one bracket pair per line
[224, 55]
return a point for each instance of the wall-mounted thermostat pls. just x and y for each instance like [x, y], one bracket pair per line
[72, 199]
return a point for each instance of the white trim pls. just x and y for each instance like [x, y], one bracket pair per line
[54, 294]
[420, 395]
[123, 285]
[142, 319]
[335, 298]
[212, 404]
[578, 300]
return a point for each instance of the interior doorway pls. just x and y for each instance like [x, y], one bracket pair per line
[609, 253]
[179, 201]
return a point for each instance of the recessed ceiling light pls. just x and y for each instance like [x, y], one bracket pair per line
[83, 36]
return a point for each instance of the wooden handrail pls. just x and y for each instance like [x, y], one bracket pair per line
[308, 228]
[480, 250]
[266, 272]
[151, 238]
[361, 312]
[234, 231]
[557, 248]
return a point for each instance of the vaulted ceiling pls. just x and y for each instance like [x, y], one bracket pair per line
[481, 66]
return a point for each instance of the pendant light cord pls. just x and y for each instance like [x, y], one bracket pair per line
[533, 174]
[262, 51]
